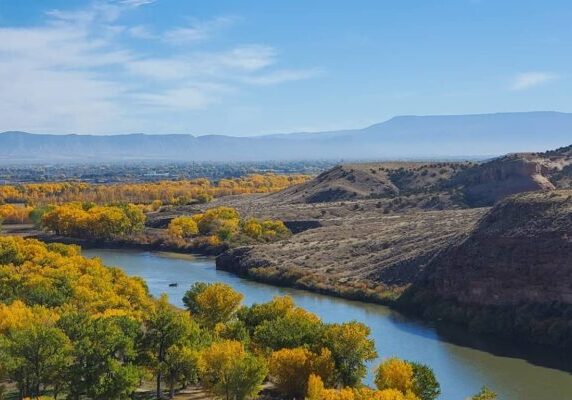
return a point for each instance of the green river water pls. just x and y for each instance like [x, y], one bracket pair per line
[462, 362]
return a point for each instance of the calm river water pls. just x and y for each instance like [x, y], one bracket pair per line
[462, 362]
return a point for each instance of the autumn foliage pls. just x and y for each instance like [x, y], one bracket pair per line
[71, 326]
[14, 214]
[91, 221]
[226, 224]
[168, 192]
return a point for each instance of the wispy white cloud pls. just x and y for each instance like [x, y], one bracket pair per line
[197, 31]
[284, 75]
[190, 97]
[136, 3]
[228, 65]
[76, 72]
[141, 32]
[529, 80]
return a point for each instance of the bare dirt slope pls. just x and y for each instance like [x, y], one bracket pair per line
[371, 180]
[463, 184]
[385, 250]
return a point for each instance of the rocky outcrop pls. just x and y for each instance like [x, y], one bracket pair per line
[521, 251]
[463, 184]
[512, 274]
[488, 183]
[236, 261]
[485, 184]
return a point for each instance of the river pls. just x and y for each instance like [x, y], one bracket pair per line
[462, 362]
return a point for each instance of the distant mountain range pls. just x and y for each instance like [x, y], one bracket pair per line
[404, 137]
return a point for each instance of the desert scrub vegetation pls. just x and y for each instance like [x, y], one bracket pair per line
[73, 328]
[304, 279]
[181, 192]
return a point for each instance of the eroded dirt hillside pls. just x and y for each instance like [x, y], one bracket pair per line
[386, 252]
[462, 184]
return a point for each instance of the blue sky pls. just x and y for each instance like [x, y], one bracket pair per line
[246, 67]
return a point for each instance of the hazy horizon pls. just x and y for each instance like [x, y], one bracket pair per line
[259, 134]
[245, 68]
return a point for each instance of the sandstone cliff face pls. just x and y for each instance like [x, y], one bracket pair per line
[520, 252]
[490, 182]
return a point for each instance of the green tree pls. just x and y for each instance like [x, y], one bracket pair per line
[190, 297]
[256, 314]
[36, 357]
[425, 384]
[103, 356]
[295, 329]
[215, 220]
[485, 394]
[135, 216]
[179, 367]
[118, 383]
[37, 213]
[167, 327]
[234, 330]
[351, 347]
[246, 377]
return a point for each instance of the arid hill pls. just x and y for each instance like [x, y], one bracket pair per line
[412, 233]
[372, 180]
[521, 251]
[511, 274]
[381, 252]
[464, 184]
[486, 183]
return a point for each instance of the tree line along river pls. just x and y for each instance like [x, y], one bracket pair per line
[461, 361]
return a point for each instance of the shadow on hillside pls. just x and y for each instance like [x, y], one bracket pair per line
[458, 335]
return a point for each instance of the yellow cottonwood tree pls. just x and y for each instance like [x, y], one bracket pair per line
[290, 369]
[217, 303]
[229, 371]
[394, 373]
[183, 227]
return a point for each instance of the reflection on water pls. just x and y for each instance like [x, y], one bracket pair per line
[462, 362]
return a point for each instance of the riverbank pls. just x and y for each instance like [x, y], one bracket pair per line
[150, 240]
[462, 361]
[527, 322]
[233, 261]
